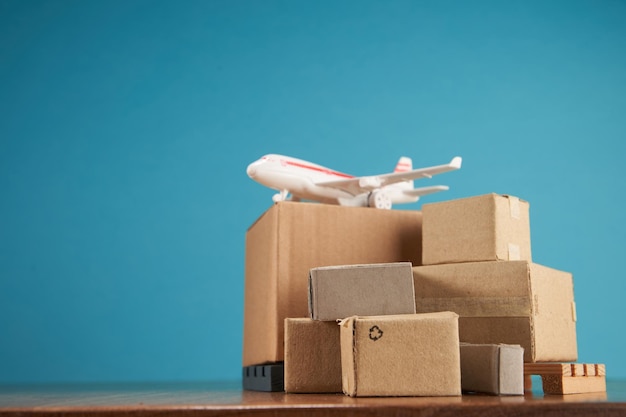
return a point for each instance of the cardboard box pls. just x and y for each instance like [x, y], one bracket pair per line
[492, 369]
[290, 239]
[485, 228]
[312, 356]
[337, 292]
[401, 355]
[513, 302]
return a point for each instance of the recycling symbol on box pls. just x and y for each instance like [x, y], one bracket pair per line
[375, 333]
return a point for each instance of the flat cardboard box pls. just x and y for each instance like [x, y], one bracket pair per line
[492, 369]
[293, 237]
[510, 302]
[337, 292]
[484, 228]
[401, 355]
[312, 356]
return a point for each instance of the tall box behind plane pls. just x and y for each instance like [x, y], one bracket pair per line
[291, 238]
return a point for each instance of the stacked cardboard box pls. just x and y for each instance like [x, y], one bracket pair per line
[385, 348]
[337, 292]
[484, 228]
[511, 302]
[472, 257]
[477, 263]
[312, 345]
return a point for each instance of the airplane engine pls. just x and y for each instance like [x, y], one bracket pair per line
[379, 199]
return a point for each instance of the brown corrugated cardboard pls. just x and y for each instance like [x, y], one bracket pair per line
[337, 292]
[483, 228]
[492, 369]
[290, 239]
[512, 302]
[401, 355]
[312, 356]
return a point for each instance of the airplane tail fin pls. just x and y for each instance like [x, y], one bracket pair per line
[404, 164]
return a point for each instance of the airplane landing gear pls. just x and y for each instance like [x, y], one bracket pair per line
[379, 199]
[282, 196]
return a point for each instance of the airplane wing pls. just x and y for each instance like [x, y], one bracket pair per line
[418, 192]
[359, 185]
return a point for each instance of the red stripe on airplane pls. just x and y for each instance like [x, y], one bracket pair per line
[402, 167]
[318, 169]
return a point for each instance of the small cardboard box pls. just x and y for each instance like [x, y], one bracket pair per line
[337, 292]
[291, 238]
[485, 228]
[511, 302]
[312, 356]
[492, 369]
[401, 355]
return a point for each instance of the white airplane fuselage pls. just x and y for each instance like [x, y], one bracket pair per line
[300, 179]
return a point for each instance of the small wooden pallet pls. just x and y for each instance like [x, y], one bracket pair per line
[567, 378]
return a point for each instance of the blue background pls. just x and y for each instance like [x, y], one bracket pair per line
[126, 128]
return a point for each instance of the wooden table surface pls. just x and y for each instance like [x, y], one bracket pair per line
[212, 399]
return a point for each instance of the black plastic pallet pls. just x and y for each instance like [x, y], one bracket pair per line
[268, 377]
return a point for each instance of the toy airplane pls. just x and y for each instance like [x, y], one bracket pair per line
[306, 180]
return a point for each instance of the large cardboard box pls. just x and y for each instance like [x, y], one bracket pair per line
[483, 228]
[293, 237]
[511, 302]
[401, 355]
[337, 292]
[492, 369]
[312, 356]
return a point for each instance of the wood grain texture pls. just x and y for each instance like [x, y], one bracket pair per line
[559, 384]
[565, 369]
[569, 378]
[204, 400]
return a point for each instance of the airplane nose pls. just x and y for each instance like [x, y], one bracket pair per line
[251, 170]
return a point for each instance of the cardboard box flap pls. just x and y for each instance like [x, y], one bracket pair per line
[348, 365]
